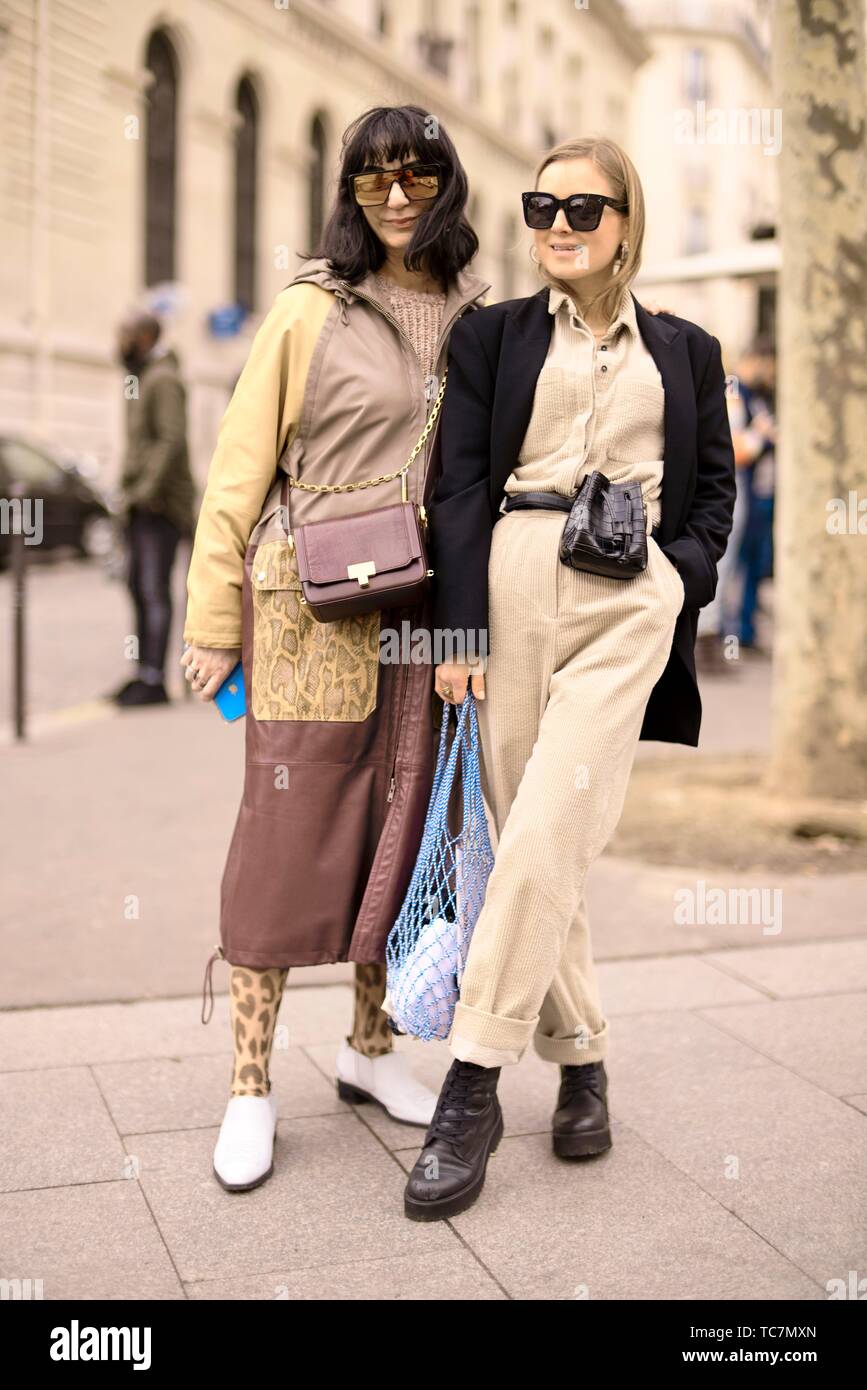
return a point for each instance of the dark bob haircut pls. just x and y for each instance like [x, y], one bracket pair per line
[443, 242]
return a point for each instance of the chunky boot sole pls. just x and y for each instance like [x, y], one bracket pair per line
[243, 1186]
[582, 1145]
[347, 1091]
[456, 1202]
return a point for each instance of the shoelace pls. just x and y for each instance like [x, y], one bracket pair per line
[586, 1078]
[455, 1097]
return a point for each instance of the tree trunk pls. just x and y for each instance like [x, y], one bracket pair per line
[819, 745]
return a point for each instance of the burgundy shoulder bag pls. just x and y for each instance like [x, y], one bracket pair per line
[374, 559]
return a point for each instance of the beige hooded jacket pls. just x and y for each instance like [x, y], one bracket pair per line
[332, 397]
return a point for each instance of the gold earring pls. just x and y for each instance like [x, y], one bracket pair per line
[621, 257]
[533, 254]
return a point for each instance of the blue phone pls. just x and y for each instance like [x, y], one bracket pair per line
[231, 698]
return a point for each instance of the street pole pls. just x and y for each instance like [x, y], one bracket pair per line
[19, 565]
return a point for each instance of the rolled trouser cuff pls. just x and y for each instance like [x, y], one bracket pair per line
[489, 1040]
[468, 1051]
[575, 1051]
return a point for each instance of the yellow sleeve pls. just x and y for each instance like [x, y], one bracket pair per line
[260, 420]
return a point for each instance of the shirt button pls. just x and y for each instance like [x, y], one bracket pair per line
[603, 369]
[604, 348]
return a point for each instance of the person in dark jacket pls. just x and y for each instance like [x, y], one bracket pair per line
[157, 496]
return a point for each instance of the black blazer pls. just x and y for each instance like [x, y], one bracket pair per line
[495, 356]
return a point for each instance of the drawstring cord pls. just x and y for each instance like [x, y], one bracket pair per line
[341, 298]
[217, 953]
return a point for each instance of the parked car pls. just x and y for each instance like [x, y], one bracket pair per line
[75, 512]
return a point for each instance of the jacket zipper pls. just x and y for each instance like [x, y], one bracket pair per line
[444, 330]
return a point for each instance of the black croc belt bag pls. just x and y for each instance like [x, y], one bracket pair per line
[606, 529]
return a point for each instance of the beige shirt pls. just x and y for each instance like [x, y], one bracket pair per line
[595, 406]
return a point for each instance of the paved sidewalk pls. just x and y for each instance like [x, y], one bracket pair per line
[738, 1072]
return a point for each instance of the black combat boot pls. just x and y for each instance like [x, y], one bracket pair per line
[466, 1128]
[580, 1124]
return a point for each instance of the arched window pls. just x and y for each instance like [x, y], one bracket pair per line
[318, 160]
[160, 160]
[246, 171]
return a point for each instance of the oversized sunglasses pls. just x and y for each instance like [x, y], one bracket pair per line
[583, 210]
[417, 181]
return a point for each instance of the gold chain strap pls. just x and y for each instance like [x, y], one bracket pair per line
[384, 477]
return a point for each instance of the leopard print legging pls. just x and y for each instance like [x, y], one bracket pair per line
[254, 1002]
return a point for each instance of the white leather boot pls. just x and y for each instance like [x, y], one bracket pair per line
[387, 1080]
[243, 1155]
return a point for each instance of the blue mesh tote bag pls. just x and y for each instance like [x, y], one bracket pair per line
[427, 947]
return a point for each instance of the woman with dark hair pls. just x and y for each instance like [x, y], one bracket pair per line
[335, 394]
[582, 662]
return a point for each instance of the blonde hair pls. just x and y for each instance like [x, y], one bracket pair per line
[613, 161]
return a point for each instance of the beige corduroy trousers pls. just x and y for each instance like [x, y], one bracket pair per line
[573, 659]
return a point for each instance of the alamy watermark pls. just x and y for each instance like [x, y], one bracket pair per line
[423, 646]
[730, 125]
[22, 516]
[720, 907]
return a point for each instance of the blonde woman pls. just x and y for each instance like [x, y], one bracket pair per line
[339, 384]
[540, 392]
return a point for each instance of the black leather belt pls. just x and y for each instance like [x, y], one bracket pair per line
[555, 501]
[549, 501]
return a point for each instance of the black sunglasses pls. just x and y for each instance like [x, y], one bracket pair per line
[583, 210]
[417, 182]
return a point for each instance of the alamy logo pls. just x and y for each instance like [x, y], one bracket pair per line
[22, 516]
[719, 907]
[77, 1343]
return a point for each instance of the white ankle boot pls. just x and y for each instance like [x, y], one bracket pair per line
[243, 1156]
[386, 1079]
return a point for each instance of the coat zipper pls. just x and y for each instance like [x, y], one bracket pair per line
[445, 329]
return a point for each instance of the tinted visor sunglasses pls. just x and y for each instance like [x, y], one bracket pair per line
[583, 210]
[417, 182]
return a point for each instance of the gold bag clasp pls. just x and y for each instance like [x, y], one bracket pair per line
[362, 572]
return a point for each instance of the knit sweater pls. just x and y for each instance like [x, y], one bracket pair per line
[419, 314]
[595, 406]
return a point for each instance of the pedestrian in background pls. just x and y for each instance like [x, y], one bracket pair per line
[752, 429]
[756, 558]
[157, 496]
